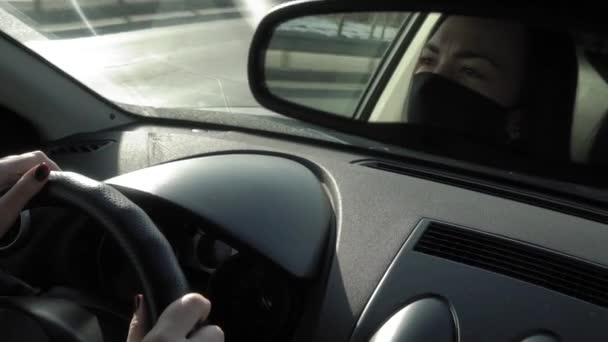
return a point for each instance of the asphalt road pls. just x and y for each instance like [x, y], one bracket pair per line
[193, 59]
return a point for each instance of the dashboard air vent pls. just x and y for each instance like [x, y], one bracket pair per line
[77, 147]
[558, 272]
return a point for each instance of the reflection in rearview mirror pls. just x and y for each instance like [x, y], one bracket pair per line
[530, 91]
[326, 62]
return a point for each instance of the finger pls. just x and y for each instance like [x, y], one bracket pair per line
[23, 162]
[210, 333]
[26, 187]
[180, 317]
[137, 328]
[13, 167]
[37, 157]
[17, 197]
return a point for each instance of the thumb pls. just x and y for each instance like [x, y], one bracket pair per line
[17, 197]
[137, 328]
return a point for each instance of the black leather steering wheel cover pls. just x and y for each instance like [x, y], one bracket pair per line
[149, 252]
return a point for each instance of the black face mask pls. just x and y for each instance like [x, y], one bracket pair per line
[438, 102]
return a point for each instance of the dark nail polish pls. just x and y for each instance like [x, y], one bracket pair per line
[42, 172]
[137, 303]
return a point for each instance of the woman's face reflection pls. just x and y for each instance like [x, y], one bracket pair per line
[485, 55]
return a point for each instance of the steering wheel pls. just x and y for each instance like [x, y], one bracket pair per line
[156, 267]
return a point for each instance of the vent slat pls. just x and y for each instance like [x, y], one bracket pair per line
[531, 261]
[518, 269]
[513, 247]
[588, 297]
[541, 254]
[532, 264]
[78, 147]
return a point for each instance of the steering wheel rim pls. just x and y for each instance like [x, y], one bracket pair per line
[149, 252]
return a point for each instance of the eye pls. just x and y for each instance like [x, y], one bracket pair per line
[426, 61]
[472, 73]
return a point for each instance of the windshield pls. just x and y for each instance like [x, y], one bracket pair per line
[187, 60]
[155, 53]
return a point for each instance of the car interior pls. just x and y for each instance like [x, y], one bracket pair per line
[301, 229]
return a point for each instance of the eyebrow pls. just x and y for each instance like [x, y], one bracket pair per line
[466, 54]
[432, 47]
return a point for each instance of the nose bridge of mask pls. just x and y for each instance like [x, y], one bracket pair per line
[439, 102]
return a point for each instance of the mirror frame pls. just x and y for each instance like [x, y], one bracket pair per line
[261, 42]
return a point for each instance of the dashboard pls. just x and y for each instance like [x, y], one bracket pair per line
[317, 243]
[272, 208]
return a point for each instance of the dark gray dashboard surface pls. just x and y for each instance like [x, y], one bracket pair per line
[273, 205]
[486, 306]
[376, 211]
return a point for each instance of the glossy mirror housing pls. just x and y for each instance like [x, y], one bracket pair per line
[303, 62]
[329, 62]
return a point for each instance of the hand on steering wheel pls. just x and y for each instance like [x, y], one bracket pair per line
[25, 174]
[176, 323]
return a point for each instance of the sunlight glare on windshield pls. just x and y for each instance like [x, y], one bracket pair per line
[82, 16]
[256, 9]
[153, 53]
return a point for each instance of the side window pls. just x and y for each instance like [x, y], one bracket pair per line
[591, 103]
[326, 61]
[390, 106]
[590, 130]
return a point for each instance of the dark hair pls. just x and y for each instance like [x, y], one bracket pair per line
[549, 95]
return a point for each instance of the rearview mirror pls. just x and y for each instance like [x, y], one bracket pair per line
[458, 79]
[326, 62]
[314, 56]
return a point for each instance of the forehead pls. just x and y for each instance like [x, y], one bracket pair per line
[505, 41]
